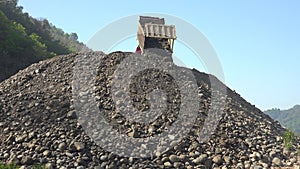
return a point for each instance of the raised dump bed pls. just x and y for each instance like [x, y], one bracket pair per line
[153, 33]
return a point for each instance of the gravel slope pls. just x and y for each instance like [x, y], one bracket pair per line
[39, 124]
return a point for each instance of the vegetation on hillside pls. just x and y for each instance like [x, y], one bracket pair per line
[25, 40]
[289, 118]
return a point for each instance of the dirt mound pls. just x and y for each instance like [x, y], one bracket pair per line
[41, 122]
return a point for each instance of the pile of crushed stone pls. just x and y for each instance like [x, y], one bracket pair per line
[45, 119]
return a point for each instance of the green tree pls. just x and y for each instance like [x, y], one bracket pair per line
[74, 36]
[39, 47]
[25, 40]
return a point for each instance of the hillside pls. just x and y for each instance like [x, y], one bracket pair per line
[289, 118]
[25, 40]
[40, 122]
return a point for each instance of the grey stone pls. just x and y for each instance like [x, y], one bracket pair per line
[79, 146]
[167, 164]
[27, 160]
[133, 134]
[272, 154]
[217, 159]
[208, 163]
[69, 154]
[71, 114]
[200, 159]
[257, 167]
[21, 138]
[277, 161]
[46, 153]
[31, 135]
[227, 159]
[174, 158]
[247, 164]
[178, 165]
[103, 157]
[62, 146]
[98, 167]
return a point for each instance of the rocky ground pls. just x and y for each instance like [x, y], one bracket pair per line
[39, 122]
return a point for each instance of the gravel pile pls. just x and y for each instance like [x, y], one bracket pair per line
[41, 122]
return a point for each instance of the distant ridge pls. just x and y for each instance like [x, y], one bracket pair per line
[289, 118]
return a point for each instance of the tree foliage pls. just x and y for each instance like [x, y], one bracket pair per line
[289, 118]
[25, 40]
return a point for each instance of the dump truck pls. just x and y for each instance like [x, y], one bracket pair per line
[153, 33]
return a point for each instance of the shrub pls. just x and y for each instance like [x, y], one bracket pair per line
[288, 138]
[9, 166]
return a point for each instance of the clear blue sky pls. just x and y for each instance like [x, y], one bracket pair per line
[257, 42]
